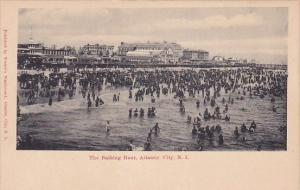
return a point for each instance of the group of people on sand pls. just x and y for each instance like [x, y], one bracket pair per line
[213, 86]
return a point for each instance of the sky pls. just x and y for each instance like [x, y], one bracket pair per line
[252, 33]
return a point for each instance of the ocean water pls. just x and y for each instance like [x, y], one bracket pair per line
[70, 125]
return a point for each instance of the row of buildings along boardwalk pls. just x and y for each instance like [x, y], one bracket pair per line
[147, 53]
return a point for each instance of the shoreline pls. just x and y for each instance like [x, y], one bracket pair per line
[153, 65]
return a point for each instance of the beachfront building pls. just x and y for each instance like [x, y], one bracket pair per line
[29, 52]
[232, 61]
[144, 56]
[96, 54]
[97, 50]
[194, 56]
[65, 51]
[65, 55]
[219, 60]
[272, 66]
[40, 49]
[30, 48]
[158, 52]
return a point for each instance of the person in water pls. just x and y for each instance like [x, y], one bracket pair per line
[130, 112]
[136, 112]
[221, 139]
[132, 147]
[198, 103]
[236, 132]
[149, 137]
[272, 99]
[142, 111]
[194, 131]
[253, 124]
[182, 109]
[101, 102]
[259, 147]
[218, 128]
[251, 129]
[97, 101]
[227, 118]
[274, 109]
[152, 99]
[223, 100]
[200, 148]
[114, 98]
[243, 127]
[29, 141]
[189, 119]
[206, 114]
[89, 103]
[19, 141]
[50, 101]
[107, 127]
[180, 101]
[156, 129]
[147, 145]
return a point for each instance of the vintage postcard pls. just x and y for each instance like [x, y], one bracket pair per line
[159, 87]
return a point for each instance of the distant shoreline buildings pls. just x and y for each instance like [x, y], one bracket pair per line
[146, 53]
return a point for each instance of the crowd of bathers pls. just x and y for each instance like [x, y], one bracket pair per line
[238, 83]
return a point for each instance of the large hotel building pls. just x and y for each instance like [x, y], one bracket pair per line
[150, 52]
